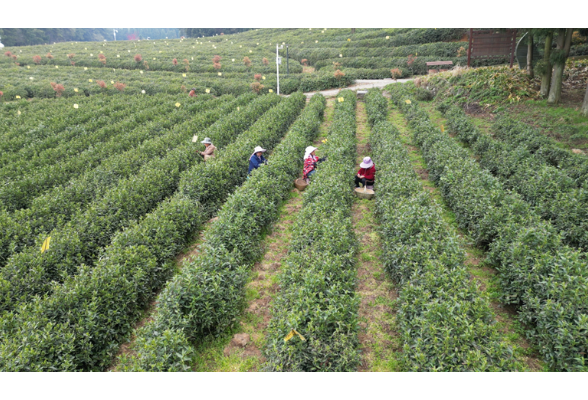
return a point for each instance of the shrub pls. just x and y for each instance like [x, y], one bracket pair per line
[247, 61]
[265, 61]
[49, 56]
[146, 65]
[339, 74]
[257, 77]
[102, 84]
[59, 89]
[257, 87]
[72, 55]
[175, 62]
[304, 62]
[217, 66]
[37, 59]
[119, 86]
[138, 58]
[8, 54]
[396, 73]
[216, 59]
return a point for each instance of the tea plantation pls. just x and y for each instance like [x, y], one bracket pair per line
[123, 250]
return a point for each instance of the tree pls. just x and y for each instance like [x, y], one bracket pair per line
[558, 58]
[546, 67]
[530, 55]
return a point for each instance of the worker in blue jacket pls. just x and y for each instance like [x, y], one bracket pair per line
[256, 159]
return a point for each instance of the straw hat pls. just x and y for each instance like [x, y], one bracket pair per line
[206, 141]
[308, 151]
[367, 163]
[258, 149]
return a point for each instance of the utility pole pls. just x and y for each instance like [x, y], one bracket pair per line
[287, 62]
[114, 31]
[278, 62]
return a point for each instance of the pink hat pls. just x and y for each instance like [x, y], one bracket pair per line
[367, 163]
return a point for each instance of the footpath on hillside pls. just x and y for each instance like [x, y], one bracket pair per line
[378, 340]
[360, 84]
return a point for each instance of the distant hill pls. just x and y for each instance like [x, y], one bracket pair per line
[32, 36]
[201, 32]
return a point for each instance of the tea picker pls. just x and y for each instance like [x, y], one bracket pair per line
[311, 161]
[256, 159]
[366, 176]
[209, 151]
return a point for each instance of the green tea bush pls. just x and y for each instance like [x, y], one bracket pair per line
[61, 203]
[446, 324]
[551, 193]
[80, 326]
[80, 240]
[516, 133]
[208, 295]
[539, 274]
[317, 296]
[211, 182]
[81, 154]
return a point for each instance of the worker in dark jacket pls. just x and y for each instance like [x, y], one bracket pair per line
[256, 159]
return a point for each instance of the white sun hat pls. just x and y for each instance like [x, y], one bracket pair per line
[206, 141]
[367, 163]
[308, 151]
[256, 150]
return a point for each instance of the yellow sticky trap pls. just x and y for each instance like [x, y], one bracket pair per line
[178, 104]
[195, 138]
[45, 246]
[340, 99]
[407, 101]
[291, 335]
[207, 90]
[442, 129]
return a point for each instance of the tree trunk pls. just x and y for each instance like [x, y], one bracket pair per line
[585, 105]
[530, 56]
[564, 42]
[546, 76]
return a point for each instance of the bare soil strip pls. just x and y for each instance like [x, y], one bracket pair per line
[379, 342]
[483, 273]
[240, 350]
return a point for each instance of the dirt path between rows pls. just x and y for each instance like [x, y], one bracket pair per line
[378, 340]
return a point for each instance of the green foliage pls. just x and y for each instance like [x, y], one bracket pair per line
[80, 240]
[491, 85]
[446, 324]
[522, 166]
[208, 295]
[317, 296]
[536, 271]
